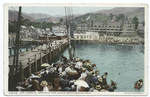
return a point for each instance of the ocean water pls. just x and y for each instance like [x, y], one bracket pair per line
[124, 63]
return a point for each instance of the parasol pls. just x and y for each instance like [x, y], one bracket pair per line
[81, 83]
[45, 65]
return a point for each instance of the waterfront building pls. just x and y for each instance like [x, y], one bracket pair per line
[82, 27]
[140, 30]
[24, 33]
[87, 36]
[128, 25]
[53, 36]
[59, 29]
[34, 33]
[111, 27]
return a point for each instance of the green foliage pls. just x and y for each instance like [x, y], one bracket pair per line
[136, 22]
[61, 20]
[119, 17]
[13, 26]
[27, 22]
[111, 16]
[143, 23]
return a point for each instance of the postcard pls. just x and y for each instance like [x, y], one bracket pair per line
[75, 49]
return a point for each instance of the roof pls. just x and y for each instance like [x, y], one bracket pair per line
[108, 23]
[23, 26]
[32, 27]
[60, 34]
[57, 34]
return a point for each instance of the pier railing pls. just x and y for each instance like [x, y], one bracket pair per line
[31, 60]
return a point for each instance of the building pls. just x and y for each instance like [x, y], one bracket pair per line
[59, 29]
[106, 27]
[87, 36]
[53, 36]
[128, 25]
[141, 30]
[82, 27]
[34, 33]
[24, 33]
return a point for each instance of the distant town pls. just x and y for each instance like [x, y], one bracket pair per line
[113, 29]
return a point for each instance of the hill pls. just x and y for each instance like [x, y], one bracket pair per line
[13, 16]
[119, 10]
[49, 19]
[92, 16]
[138, 13]
[38, 15]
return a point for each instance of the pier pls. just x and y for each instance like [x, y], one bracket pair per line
[31, 60]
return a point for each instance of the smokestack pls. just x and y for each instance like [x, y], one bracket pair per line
[92, 24]
[122, 22]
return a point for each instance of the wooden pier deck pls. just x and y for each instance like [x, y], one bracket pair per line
[31, 60]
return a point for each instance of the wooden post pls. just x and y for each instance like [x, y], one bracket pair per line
[46, 55]
[40, 59]
[10, 69]
[35, 64]
[21, 72]
[29, 65]
[10, 51]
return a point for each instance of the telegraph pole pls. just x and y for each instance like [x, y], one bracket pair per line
[18, 35]
[16, 50]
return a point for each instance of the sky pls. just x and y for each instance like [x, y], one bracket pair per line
[59, 10]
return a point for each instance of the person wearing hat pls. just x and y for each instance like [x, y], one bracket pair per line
[63, 58]
[87, 65]
[78, 65]
[98, 87]
[83, 74]
[97, 73]
[104, 78]
[56, 85]
[76, 59]
[50, 87]
[35, 85]
[44, 84]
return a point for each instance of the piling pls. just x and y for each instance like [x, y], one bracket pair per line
[35, 63]
[29, 65]
[21, 72]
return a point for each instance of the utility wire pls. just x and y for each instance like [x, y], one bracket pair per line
[23, 19]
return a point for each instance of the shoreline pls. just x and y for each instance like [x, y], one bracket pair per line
[104, 42]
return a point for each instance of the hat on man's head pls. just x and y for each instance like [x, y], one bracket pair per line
[44, 83]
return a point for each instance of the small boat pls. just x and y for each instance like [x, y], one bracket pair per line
[138, 84]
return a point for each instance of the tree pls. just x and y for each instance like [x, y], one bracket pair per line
[143, 23]
[111, 16]
[61, 20]
[120, 17]
[136, 22]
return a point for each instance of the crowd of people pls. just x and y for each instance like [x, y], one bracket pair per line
[68, 75]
